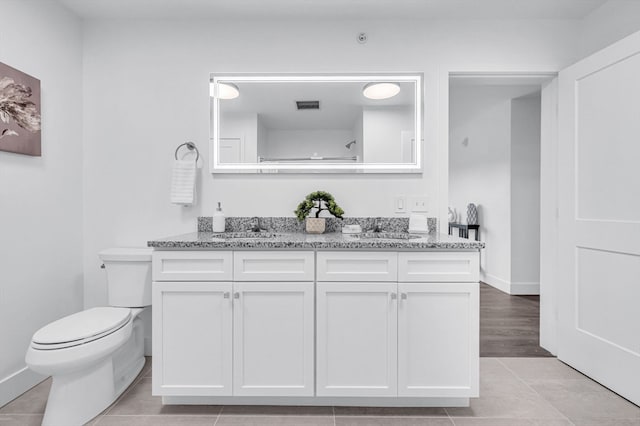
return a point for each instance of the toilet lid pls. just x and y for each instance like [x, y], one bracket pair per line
[81, 327]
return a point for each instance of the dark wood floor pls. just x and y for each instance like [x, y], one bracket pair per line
[509, 325]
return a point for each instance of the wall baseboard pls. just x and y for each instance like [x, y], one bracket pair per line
[512, 288]
[496, 282]
[525, 289]
[18, 383]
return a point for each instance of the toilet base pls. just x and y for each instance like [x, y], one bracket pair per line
[75, 398]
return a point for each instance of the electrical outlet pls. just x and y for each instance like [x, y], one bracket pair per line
[400, 204]
[419, 204]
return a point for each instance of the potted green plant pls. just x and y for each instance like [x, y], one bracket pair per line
[319, 200]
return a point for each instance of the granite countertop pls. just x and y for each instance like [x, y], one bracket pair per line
[298, 240]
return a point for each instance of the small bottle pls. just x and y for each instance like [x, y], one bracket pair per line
[218, 220]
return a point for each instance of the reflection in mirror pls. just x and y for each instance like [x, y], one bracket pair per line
[324, 123]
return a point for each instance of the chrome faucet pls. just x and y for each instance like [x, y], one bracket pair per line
[255, 225]
[376, 226]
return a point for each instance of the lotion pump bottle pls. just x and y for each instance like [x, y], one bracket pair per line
[218, 220]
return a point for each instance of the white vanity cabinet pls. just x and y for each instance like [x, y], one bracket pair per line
[192, 323]
[438, 323]
[323, 327]
[273, 323]
[417, 338]
[252, 335]
[357, 331]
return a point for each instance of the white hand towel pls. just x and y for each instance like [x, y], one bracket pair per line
[183, 182]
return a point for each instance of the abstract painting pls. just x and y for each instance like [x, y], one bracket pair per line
[19, 112]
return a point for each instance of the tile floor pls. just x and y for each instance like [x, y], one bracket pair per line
[514, 392]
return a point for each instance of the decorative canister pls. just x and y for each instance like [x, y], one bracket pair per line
[472, 214]
[315, 225]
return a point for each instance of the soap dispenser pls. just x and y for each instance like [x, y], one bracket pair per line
[218, 220]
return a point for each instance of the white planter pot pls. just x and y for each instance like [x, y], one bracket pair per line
[315, 225]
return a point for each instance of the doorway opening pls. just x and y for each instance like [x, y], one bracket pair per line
[494, 163]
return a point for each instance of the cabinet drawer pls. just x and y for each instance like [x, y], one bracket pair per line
[357, 266]
[192, 265]
[438, 266]
[273, 266]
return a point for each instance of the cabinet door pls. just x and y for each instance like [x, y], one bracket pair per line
[192, 338]
[438, 339]
[273, 339]
[356, 339]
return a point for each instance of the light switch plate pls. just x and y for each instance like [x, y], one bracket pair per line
[400, 204]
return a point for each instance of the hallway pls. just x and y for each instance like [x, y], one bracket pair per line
[509, 325]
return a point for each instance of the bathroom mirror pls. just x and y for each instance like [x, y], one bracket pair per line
[307, 123]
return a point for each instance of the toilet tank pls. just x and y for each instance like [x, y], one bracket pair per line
[128, 276]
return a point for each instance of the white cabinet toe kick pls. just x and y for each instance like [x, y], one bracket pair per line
[299, 327]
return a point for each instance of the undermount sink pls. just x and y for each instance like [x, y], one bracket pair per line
[386, 235]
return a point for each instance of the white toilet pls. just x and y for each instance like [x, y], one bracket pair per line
[94, 355]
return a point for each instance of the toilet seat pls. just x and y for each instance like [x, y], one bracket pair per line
[81, 328]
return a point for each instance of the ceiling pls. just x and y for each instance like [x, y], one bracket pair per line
[340, 103]
[333, 9]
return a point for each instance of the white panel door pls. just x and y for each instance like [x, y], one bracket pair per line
[273, 339]
[438, 339]
[192, 338]
[356, 339]
[599, 224]
[231, 150]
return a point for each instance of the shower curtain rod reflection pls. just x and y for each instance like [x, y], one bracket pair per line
[350, 158]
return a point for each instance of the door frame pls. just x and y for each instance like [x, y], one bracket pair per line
[548, 175]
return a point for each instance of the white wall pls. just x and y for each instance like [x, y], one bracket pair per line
[549, 216]
[146, 91]
[525, 194]
[382, 130]
[607, 24]
[40, 197]
[356, 149]
[307, 143]
[244, 126]
[480, 169]
[263, 137]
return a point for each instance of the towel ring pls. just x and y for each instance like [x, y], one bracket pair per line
[191, 146]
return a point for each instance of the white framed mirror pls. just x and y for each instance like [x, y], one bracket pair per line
[316, 123]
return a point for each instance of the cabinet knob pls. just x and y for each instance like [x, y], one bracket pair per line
[394, 296]
[226, 295]
[236, 295]
[403, 296]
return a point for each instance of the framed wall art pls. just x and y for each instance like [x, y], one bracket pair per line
[19, 112]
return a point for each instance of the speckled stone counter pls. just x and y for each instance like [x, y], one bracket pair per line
[291, 224]
[328, 241]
